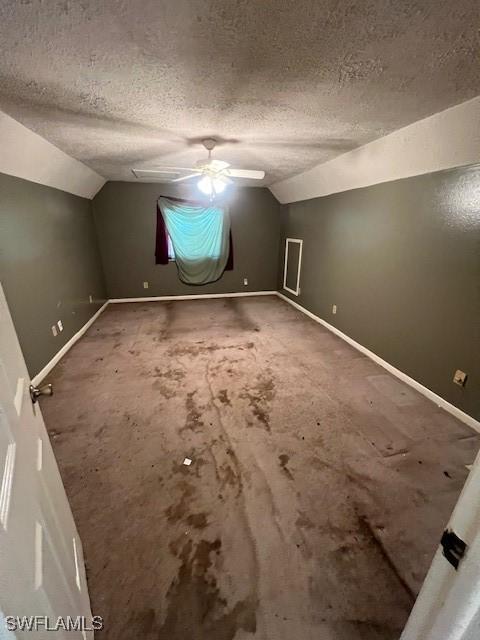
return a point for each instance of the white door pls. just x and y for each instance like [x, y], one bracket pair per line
[41, 563]
[448, 606]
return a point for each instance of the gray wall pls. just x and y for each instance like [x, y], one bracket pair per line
[125, 217]
[49, 265]
[401, 261]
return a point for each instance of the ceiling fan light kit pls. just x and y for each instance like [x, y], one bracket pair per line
[211, 186]
[214, 175]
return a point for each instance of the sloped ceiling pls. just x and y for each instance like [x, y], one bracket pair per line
[283, 85]
[445, 140]
[27, 155]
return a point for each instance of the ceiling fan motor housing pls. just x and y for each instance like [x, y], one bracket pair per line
[209, 143]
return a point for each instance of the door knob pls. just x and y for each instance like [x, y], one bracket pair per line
[36, 392]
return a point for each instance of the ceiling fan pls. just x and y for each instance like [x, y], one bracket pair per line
[214, 175]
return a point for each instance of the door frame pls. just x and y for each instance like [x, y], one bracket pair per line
[448, 605]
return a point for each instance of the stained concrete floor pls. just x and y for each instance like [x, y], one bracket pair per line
[319, 487]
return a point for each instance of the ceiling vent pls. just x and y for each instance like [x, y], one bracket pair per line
[155, 175]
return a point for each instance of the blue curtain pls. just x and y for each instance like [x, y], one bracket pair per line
[200, 237]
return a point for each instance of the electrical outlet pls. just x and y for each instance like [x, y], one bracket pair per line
[334, 309]
[54, 331]
[145, 285]
[60, 325]
[460, 378]
[90, 297]
[245, 281]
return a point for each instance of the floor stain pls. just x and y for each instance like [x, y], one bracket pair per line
[305, 550]
[304, 521]
[223, 397]
[242, 319]
[170, 374]
[169, 320]
[284, 458]
[164, 389]
[193, 420]
[179, 510]
[99, 432]
[370, 534]
[142, 622]
[259, 395]
[197, 520]
[196, 609]
[229, 477]
[196, 350]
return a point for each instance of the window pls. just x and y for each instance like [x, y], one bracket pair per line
[171, 251]
[194, 235]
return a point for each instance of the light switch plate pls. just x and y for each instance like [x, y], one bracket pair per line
[90, 297]
[460, 378]
[245, 281]
[60, 325]
[145, 285]
[54, 331]
[334, 309]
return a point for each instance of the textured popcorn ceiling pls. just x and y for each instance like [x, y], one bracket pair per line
[283, 84]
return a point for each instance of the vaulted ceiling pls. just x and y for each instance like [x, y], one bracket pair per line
[283, 85]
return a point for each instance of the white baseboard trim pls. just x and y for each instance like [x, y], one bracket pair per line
[36, 380]
[428, 393]
[200, 296]
[66, 347]
[438, 400]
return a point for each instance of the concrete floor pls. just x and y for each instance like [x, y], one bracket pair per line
[319, 487]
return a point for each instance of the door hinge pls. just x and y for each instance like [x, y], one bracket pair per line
[454, 548]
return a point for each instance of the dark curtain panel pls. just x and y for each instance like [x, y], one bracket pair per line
[161, 243]
[229, 266]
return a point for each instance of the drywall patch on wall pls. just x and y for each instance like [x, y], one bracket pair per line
[25, 154]
[445, 140]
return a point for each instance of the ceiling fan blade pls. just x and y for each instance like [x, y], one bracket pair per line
[188, 177]
[223, 177]
[218, 165]
[246, 173]
[167, 167]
